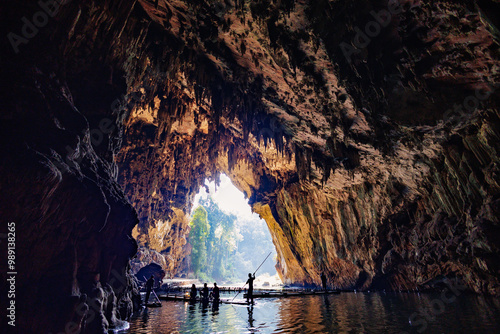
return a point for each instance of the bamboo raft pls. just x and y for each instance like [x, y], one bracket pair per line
[187, 300]
[272, 294]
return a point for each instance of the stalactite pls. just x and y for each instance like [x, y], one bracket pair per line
[366, 170]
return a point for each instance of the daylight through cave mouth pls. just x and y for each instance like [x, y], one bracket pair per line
[227, 240]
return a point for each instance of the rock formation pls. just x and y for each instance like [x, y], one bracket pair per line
[365, 133]
[339, 154]
[151, 269]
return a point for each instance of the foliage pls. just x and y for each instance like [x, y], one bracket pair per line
[197, 238]
[213, 241]
[222, 249]
[221, 241]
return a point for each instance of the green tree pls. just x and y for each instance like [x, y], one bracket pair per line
[221, 241]
[213, 241]
[197, 238]
[224, 250]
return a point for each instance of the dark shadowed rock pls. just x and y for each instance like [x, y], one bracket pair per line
[151, 269]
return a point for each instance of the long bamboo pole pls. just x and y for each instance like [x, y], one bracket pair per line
[253, 275]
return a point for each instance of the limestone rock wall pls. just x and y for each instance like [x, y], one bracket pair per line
[57, 141]
[73, 222]
[352, 149]
[343, 148]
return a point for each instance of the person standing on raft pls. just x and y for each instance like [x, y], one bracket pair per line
[193, 292]
[250, 287]
[149, 286]
[204, 293]
[215, 293]
[323, 281]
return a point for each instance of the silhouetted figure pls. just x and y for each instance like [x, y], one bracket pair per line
[193, 292]
[149, 286]
[323, 281]
[204, 293]
[250, 287]
[216, 293]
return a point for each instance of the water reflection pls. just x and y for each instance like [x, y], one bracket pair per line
[250, 318]
[344, 313]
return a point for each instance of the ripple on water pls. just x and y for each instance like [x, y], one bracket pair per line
[344, 313]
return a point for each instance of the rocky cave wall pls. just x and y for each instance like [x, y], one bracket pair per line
[354, 161]
[356, 164]
[73, 222]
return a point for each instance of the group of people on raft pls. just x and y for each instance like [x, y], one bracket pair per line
[205, 295]
[214, 295]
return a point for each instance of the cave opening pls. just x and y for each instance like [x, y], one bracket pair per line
[376, 166]
[235, 240]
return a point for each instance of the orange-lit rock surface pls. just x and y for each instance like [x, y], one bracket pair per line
[348, 162]
[352, 150]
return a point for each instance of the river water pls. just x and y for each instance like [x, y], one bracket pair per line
[343, 313]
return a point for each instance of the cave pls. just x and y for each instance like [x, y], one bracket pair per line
[372, 155]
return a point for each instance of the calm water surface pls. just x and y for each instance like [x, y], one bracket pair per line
[343, 313]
